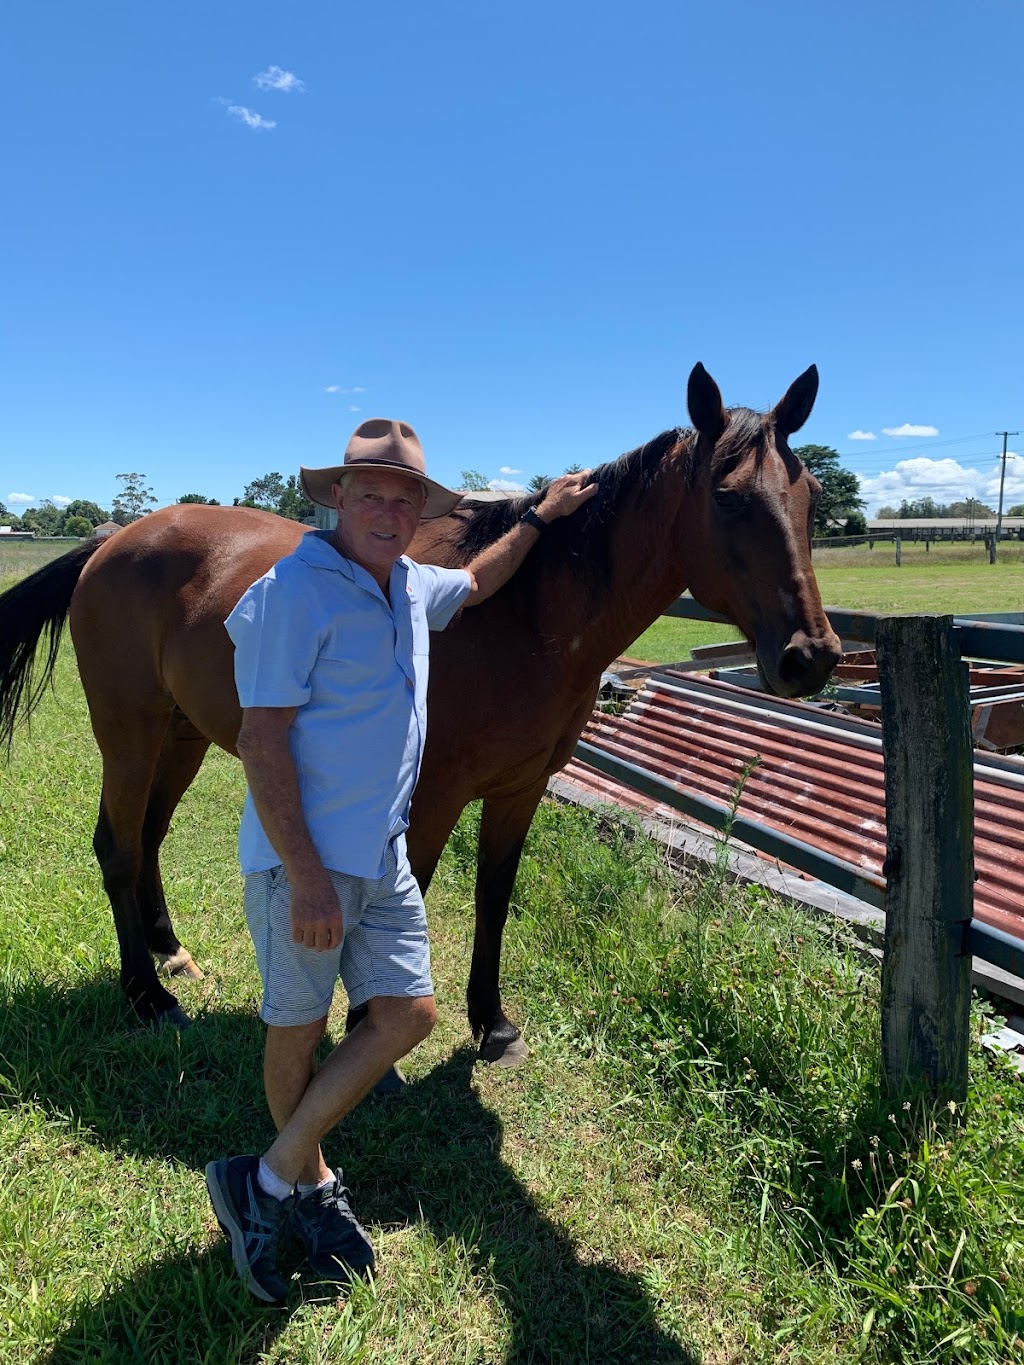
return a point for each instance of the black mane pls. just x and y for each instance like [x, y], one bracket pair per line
[580, 541]
[747, 430]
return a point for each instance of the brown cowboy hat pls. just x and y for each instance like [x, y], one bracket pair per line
[381, 444]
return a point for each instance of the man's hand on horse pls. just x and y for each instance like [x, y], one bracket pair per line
[562, 496]
[316, 916]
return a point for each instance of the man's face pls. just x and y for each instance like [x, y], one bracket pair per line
[378, 513]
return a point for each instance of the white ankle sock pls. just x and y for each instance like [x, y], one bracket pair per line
[271, 1183]
[324, 1184]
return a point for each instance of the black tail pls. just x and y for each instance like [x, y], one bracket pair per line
[36, 604]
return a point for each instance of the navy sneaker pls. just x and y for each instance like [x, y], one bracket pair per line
[336, 1246]
[253, 1221]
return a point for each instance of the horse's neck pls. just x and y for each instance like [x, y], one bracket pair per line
[594, 626]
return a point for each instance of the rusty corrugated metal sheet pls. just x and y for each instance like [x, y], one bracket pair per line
[819, 778]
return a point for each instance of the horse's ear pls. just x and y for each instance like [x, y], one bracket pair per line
[704, 401]
[794, 407]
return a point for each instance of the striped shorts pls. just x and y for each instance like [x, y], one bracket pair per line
[384, 952]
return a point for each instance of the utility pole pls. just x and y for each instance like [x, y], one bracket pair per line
[1002, 480]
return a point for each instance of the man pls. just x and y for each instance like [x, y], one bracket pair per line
[331, 668]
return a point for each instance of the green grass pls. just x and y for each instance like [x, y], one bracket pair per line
[693, 1165]
[21, 557]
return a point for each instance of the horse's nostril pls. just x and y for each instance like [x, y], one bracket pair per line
[793, 664]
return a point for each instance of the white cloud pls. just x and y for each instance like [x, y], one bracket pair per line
[505, 469]
[352, 408]
[59, 500]
[859, 435]
[910, 429]
[331, 388]
[249, 117]
[504, 486]
[943, 480]
[21, 497]
[275, 78]
[336, 388]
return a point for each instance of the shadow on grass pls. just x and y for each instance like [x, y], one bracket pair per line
[177, 1310]
[432, 1152]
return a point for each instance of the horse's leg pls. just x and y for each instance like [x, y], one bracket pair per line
[180, 760]
[504, 825]
[130, 745]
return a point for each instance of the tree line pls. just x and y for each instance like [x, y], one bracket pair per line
[840, 510]
[80, 517]
[927, 509]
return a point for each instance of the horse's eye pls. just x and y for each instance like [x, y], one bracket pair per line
[730, 503]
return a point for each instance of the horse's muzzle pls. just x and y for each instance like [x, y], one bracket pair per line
[804, 666]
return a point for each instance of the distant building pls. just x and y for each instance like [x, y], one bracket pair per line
[106, 528]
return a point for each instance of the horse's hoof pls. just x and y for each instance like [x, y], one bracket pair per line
[499, 1053]
[175, 1017]
[180, 963]
[390, 1083]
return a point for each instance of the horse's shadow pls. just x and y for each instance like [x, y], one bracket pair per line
[431, 1153]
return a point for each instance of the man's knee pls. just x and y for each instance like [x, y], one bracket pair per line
[406, 1019]
[296, 1041]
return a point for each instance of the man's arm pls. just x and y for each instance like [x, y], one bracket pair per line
[493, 567]
[274, 784]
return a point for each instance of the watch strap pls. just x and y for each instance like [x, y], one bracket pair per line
[532, 519]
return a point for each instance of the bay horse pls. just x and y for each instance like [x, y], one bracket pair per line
[725, 509]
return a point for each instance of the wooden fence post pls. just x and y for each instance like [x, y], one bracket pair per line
[929, 802]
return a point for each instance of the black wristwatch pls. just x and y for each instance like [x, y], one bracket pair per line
[532, 519]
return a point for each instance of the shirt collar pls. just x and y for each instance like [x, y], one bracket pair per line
[317, 549]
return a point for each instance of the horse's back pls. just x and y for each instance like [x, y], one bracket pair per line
[148, 614]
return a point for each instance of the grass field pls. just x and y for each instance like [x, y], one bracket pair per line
[694, 1165]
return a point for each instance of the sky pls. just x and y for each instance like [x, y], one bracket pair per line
[234, 231]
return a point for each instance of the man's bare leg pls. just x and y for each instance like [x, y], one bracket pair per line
[288, 1067]
[392, 1027]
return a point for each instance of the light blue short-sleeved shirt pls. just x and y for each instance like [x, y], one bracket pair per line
[317, 632]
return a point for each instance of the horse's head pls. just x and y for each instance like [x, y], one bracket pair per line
[755, 509]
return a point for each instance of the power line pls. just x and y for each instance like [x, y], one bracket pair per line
[929, 444]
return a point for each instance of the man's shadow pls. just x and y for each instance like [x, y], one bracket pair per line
[431, 1152]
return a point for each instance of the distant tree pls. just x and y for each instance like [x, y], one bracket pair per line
[293, 502]
[970, 507]
[922, 509]
[538, 483]
[82, 507]
[473, 482]
[264, 492]
[856, 525]
[77, 526]
[199, 498]
[45, 520]
[1017, 510]
[840, 489]
[131, 503]
[3, 510]
[574, 469]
